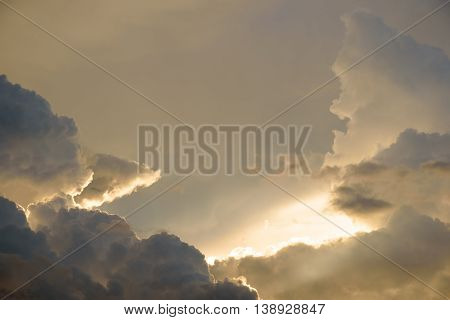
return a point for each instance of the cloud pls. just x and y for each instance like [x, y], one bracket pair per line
[39, 153]
[413, 149]
[41, 161]
[355, 200]
[113, 178]
[345, 269]
[66, 228]
[412, 171]
[11, 214]
[116, 265]
[439, 166]
[16, 237]
[405, 85]
[40, 156]
[163, 267]
[24, 253]
[107, 268]
[62, 283]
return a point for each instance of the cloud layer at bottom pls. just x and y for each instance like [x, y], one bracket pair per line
[115, 266]
[346, 269]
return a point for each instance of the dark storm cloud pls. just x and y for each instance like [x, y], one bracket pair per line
[24, 253]
[62, 283]
[117, 265]
[11, 214]
[163, 267]
[16, 237]
[39, 153]
[345, 269]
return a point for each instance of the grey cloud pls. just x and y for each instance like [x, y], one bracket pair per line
[61, 283]
[39, 153]
[163, 267]
[413, 148]
[40, 156]
[23, 242]
[117, 265]
[345, 269]
[24, 253]
[11, 214]
[67, 228]
[411, 171]
[16, 236]
[387, 160]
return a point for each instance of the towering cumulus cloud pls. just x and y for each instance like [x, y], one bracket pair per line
[389, 171]
[44, 168]
[403, 86]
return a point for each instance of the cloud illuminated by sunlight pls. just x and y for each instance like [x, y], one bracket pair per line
[309, 228]
[120, 190]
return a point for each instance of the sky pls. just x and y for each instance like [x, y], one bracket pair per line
[378, 150]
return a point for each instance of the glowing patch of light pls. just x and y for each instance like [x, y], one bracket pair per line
[317, 230]
[330, 225]
[142, 181]
[241, 252]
